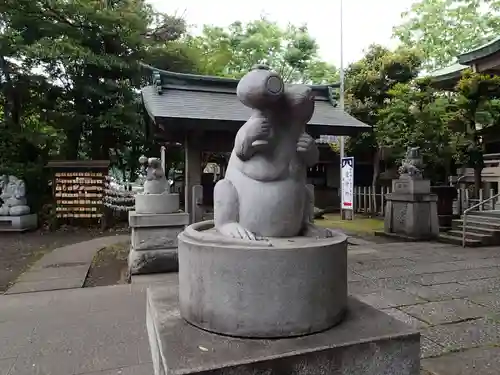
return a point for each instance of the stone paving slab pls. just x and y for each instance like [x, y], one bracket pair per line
[429, 348]
[446, 311]
[481, 361]
[360, 265]
[464, 335]
[63, 268]
[405, 318]
[491, 301]
[72, 272]
[484, 285]
[144, 369]
[441, 292]
[82, 252]
[6, 365]
[411, 269]
[45, 285]
[78, 331]
[385, 298]
[457, 276]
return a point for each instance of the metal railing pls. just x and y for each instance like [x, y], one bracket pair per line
[464, 216]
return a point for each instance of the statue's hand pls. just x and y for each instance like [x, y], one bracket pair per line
[261, 132]
[305, 143]
[235, 230]
[158, 173]
[307, 148]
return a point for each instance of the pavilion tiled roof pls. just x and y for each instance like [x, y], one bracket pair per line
[187, 96]
[448, 76]
[481, 52]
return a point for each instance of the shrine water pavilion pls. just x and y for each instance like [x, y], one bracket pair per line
[203, 114]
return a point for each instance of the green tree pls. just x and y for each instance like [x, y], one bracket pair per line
[291, 51]
[475, 111]
[368, 90]
[89, 52]
[443, 29]
[417, 115]
[69, 76]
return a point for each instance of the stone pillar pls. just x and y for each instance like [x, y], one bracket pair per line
[192, 174]
[155, 225]
[197, 202]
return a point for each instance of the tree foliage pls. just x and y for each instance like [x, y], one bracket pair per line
[475, 112]
[418, 115]
[368, 89]
[443, 29]
[69, 74]
[291, 51]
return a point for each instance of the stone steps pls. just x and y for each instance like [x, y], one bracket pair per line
[476, 222]
[455, 240]
[479, 229]
[482, 229]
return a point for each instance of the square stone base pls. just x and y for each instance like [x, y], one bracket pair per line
[153, 261]
[154, 242]
[412, 215]
[367, 342]
[18, 223]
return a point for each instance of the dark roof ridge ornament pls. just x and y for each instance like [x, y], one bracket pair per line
[157, 82]
[260, 67]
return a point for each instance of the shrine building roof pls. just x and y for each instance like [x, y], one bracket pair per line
[189, 100]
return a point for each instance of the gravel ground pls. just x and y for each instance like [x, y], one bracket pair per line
[19, 250]
[109, 266]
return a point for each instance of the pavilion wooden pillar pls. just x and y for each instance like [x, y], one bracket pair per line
[192, 174]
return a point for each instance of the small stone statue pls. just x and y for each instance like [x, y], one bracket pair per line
[13, 197]
[264, 191]
[412, 164]
[156, 182]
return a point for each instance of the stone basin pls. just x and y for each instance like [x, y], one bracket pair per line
[278, 287]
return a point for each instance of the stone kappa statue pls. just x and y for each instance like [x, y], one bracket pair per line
[156, 182]
[412, 164]
[13, 196]
[264, 192]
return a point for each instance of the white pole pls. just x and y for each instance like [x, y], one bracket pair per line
[163, 159]
[341, 96]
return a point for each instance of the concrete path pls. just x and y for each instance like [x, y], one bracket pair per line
[63, 268]
[98, 331]
[451, 294]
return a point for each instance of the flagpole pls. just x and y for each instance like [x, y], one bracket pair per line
[341, 98]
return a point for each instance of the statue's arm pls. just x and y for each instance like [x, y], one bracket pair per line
[243, 145]
[20, 192]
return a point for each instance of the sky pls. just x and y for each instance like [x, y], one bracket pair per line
[365, 21]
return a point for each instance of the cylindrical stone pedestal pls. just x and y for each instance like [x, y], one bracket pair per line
[282, 287]
[156, 203]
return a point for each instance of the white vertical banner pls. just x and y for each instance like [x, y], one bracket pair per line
[347, 181]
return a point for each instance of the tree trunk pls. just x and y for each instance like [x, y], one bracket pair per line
[72, 143]
[12, 104]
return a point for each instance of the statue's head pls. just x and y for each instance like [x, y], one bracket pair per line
[260, 88]
[154, 163]
[13, 180]
[413, 152]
